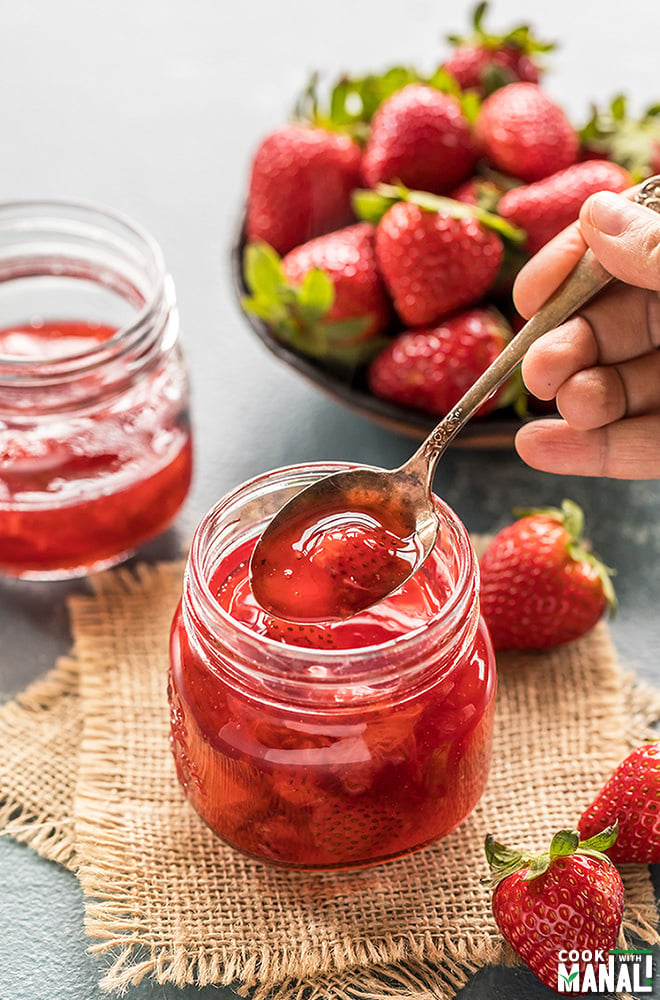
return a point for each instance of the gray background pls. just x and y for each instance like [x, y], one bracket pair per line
[154, 108]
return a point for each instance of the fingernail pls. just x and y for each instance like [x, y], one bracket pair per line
[611, 213]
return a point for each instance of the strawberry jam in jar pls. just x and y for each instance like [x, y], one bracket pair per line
[328, 745]
[95, 444]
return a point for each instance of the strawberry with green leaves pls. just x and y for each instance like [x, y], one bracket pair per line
[569, 898]
[431, 369]
[325, 298]
[634, 143]
[547, 206]
[420, 137]
[524, 133]
[484, 61]
[300, 185]
[631, 798]
[436, 255]
[540, 584]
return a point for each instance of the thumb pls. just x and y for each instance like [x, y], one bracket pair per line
[624, 236]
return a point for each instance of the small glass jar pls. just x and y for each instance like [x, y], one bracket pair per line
[341, 746]
[95, 443]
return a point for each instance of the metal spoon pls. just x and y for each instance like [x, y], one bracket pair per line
[401, 498]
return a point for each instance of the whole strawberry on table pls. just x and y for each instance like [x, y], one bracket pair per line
[541, 584]
[385, 223]
[566, 900]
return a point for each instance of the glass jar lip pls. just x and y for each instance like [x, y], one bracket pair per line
[95, 354]
[450, 610]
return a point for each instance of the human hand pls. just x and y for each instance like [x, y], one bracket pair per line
[602, 366]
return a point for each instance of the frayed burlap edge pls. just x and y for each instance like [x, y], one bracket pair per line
[53, 697]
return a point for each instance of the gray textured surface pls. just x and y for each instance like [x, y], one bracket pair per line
[154, 108]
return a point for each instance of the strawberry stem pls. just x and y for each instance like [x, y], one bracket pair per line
[371, 206]
[520, 37]
[504, 861]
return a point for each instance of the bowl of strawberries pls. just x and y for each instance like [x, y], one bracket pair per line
[386, 222]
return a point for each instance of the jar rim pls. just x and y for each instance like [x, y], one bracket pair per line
[461, 597]
[64, 210]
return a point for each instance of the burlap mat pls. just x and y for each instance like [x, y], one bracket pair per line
[86, 779]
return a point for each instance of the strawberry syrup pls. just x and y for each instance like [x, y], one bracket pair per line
[325, 567]
[358, 782]
[82, 489]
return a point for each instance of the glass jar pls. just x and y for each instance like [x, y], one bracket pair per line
[95, 444]
[328, 746]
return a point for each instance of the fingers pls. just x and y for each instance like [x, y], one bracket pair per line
[624, 323]
[627, 449]
[624, 236]
[598, 396]
[546, 270]
[602, 366]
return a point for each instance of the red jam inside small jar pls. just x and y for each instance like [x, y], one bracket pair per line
[95, 442]
[328, 745]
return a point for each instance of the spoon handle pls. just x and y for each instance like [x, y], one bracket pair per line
[585, 280]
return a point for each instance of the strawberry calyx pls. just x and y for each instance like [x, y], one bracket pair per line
[520, 37]
[571, 516]
[633, 143]
[504, 861]
[352, 101]
[372, 204]
[297, 313]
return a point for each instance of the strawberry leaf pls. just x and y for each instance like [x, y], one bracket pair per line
[504, 862]
[262, 269]
[521, 36]
[316, 295]
[297, 314]
[391, 193]
[370, 206]
[631, 142]
[537, 866]
[563, 843]
[346, 329]
[602, 841]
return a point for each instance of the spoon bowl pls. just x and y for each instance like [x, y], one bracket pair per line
[393, 509]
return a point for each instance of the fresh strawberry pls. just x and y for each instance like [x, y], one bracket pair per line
[419, 137]
[567, 899]
[436, 254]
[630, 797]
[434, 263]
[546, 207]
[325, 298]
[484, 61]
[634, 143]
[430, 369]
[525, 134]
[348, 257]
[540, 586]
[300, 185]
